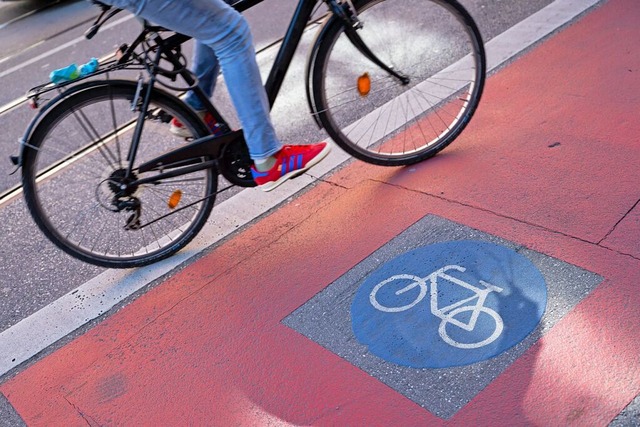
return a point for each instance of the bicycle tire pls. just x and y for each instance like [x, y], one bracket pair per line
[446, 337]
[418, 281]
[435, 43]
[73, 161]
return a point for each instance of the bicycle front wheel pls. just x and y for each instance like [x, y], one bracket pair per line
[386, 120]
[76, 162]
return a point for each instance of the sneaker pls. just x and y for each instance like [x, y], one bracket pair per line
[178, 129]
[291, 161]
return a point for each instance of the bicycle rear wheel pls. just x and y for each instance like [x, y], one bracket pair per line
[76, 159]
[375, 116]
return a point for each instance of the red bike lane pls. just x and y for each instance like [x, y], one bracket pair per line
[549, 161]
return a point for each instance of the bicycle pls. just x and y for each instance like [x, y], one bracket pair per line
[106, 182]
[447, 313]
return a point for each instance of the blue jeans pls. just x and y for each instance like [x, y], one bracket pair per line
[222, 36]
[206, 67]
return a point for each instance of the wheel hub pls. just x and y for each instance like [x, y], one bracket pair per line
[116, 192]
[120, 185]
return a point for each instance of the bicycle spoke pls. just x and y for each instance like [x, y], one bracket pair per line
[95, 136]
[86, 199]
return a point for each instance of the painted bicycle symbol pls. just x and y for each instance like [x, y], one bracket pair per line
[448, 313]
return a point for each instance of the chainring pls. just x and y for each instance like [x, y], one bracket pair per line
[235, 163]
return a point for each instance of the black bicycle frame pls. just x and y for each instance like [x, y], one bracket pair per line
[211, 146]
[292, 38]
[203, 146]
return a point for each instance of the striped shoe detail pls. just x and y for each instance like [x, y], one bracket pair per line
[291, 161]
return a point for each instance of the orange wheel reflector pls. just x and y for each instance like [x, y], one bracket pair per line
[175, 199]
[364, 84]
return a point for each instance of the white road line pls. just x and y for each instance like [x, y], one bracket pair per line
[11, 105]
[36, 44]
[35, 333]
[24, 15]
[60, 48]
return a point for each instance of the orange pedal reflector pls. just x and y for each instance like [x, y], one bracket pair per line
[364, 84]
[174, 199]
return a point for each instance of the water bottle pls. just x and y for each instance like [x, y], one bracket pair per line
[72, 72]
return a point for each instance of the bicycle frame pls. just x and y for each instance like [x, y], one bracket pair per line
[206, 146]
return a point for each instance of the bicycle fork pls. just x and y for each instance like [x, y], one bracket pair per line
[346, 11]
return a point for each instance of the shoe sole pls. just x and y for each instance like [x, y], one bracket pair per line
[179, 132]
[274, 184]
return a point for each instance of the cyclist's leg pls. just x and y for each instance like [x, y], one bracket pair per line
[206, 67]
[226, 32]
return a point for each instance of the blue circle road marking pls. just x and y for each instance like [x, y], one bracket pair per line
[449, 304]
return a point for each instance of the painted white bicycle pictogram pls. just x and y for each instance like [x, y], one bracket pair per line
[448, 313]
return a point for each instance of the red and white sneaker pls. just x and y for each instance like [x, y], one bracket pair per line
[178, 129]
[291, 161]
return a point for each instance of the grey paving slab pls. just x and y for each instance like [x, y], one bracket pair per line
[8, 416]
[326, 318]
[630, 417]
